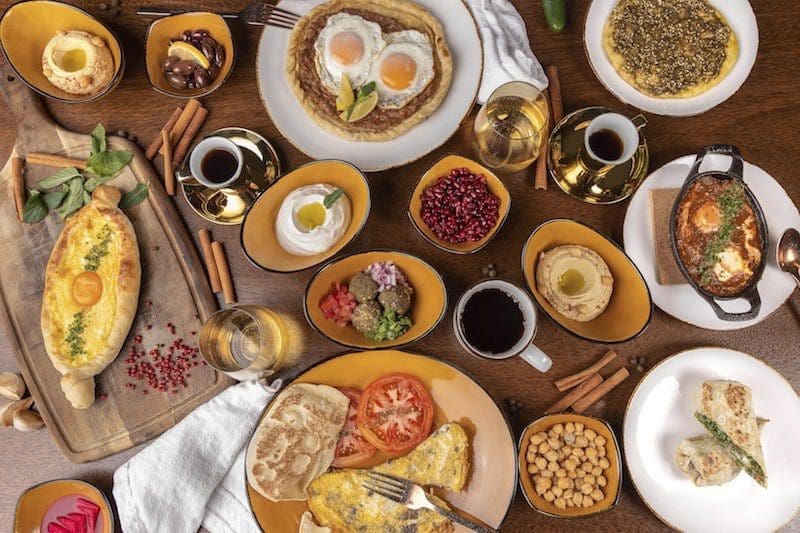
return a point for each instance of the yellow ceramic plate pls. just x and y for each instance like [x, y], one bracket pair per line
[630, 309]
[258, 229]
[491, 484]
[442, 168]
[25, 30]
[613, 474]
[428, 304]
[158, 40]
[35, 501]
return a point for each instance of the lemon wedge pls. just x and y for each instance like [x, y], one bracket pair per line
[361, 108]
[183, 50]
[346, 95]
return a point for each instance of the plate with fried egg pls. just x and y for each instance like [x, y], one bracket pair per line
[679, 299]
[379, 83]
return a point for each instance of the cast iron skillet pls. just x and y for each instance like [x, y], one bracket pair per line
[734, 172]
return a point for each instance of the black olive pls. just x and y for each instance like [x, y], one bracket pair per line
[190, 84]
[208, 47]
[184, 67]
[168, 63]
[186, 36]
[214, 71]
[219, 55]
[202, 78]
[199, 34]
[179, 82]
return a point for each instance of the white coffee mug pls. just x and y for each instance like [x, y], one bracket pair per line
[200, 151]
[623, 127]
[524, 347]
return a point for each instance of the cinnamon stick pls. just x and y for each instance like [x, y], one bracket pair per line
[152, 150]
[540, 177]
[169, 174]
[53, 160]
[188, 136]
[208, 257]
[601, 390]
[18, 181]
[183, 122]
[579, 377]
[575, 394]
[556, 101]
[224, 272]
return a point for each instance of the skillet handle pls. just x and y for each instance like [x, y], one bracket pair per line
[737, 164]
[751, 297]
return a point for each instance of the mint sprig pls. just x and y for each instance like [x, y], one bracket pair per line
[331, 198]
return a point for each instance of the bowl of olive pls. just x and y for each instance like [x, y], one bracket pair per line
[189, 55]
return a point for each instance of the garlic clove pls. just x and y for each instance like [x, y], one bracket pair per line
[12, 386]
[25, 420]
[9, 409]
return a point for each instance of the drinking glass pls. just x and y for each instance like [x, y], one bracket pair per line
[510, 128]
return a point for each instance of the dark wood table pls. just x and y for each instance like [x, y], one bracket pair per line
[761, 119]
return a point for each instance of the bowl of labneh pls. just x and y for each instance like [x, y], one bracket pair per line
[570, 465]
[61, 51]
[308, 216]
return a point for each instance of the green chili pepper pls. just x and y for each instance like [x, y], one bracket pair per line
[555, 11]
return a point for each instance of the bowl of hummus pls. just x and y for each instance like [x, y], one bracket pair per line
[61, 51]
[584, 281]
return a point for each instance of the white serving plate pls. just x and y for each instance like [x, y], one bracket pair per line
[681, 301]
[301, 130]
[660, 414]
[742, 21]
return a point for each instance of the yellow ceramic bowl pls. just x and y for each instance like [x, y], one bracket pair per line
[158, 40]
[442, 168]
[35, 501]
[613, 474]
[258, 238]
[25, 30]
[492, 480]
[630, 309]
[428, 304]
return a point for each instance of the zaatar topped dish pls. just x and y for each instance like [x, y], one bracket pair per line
[369, 71]
[718, 234]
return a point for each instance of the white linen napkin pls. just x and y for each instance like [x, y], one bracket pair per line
[507, 54]
[193, 474]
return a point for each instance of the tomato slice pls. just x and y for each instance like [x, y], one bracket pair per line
[352, 449]
[396, 413]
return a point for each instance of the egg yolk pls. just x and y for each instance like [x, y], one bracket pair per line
[708, 217]
[347, 48]
[398, 71]
[87, 288]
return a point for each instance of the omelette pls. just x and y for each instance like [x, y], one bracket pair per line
[91, 292]
[339, 501]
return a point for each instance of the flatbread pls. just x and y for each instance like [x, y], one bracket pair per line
[295, 441]
[726, 411]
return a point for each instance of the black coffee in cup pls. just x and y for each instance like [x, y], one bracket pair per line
[492, 321]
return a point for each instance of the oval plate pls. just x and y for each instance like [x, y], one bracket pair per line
[34, 502]
[660, 414]
[301, 130]
[258, 238]
[429, 300]
[630, 309]
[457, 398]
[443, 168]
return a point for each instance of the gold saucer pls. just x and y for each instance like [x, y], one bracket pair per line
[583, 183]
[260, 170]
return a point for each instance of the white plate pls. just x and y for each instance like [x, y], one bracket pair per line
[681, 301]
[741, 19]
[660, 414]
[293, 122]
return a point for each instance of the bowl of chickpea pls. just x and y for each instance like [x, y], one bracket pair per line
[570, 465]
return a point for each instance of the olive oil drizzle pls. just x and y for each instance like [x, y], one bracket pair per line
[730, 201]
[98, 249]
[75, 330]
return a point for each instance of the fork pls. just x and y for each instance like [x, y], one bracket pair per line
[257, 12]
[413, 496]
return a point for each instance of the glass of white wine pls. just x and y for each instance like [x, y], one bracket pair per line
[510, 128]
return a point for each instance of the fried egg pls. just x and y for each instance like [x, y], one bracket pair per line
[403, 69]
[349, 45]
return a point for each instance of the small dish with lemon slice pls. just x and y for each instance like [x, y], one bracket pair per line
[189, 55]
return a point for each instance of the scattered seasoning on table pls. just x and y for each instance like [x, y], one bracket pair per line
[103, 6]
[639, 368]
[159, 371]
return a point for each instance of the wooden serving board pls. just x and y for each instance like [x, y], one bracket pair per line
[173, 280]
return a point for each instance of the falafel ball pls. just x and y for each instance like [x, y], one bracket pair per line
[366, 316]
[363, 287]
[397, 299]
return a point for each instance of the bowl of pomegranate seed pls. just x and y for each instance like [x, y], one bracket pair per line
[459, 205]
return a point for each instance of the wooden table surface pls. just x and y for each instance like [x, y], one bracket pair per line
[761, 119]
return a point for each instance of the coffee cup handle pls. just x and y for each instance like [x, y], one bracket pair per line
[536, 358]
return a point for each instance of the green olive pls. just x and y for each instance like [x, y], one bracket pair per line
[555, 11]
